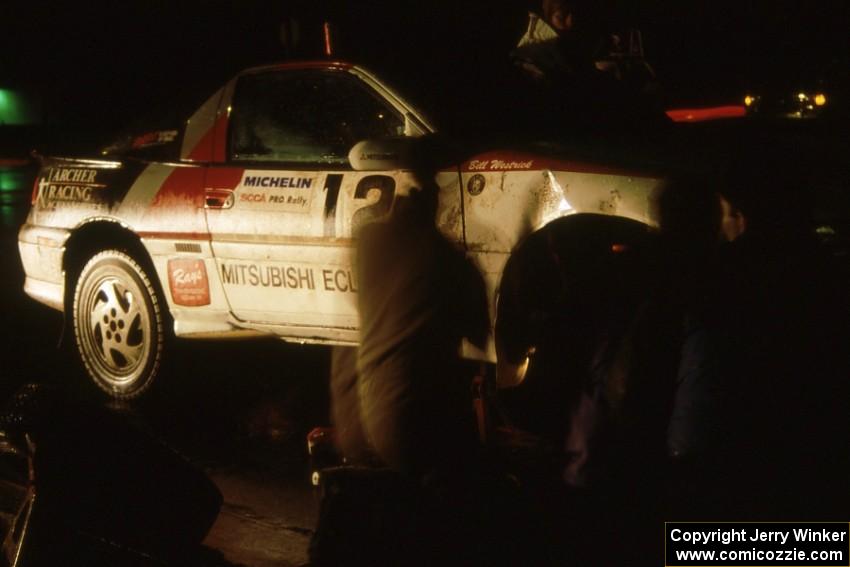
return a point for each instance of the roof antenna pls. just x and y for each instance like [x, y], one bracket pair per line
[326, 28]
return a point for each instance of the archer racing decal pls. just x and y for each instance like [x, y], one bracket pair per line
[188, 282]
[68, 185]
[288, 277]
[275, 191]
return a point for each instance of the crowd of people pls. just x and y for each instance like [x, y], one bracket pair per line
[698, 373]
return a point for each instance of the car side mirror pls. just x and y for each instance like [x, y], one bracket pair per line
[381, 154]
[430, 152]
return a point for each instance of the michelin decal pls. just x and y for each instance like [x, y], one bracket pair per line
[276, 191]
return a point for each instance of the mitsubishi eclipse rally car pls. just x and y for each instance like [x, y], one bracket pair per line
[240, 220]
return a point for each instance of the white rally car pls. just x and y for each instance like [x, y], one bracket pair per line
[240, 220]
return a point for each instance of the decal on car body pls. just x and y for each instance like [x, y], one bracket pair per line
[188, 281]
[67, 185]
[288, 277]
[476, 184]
[276, 191]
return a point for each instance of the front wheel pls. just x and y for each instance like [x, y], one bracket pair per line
[118, 324]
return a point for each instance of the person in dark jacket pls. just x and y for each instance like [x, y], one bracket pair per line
[560, 58]
[402, 400]
[419, 297]
[781, 323]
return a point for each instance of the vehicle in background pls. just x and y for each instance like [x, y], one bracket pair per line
[803, 90]
[788, 103]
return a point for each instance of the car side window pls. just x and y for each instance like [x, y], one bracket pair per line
[305, 117]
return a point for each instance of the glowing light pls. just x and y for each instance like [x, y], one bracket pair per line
[12, 180]
[327, 33]
[701, 114]
[820, 99]
[749, 100]
[802, 96]
[18, 107]
[11, 109]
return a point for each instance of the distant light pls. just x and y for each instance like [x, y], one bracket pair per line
[12, 180]
[749, 100]
[820, 99]
[17, 109]
[802, 96]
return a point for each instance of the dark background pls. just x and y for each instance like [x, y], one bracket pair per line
[242, 409]
[97, 65]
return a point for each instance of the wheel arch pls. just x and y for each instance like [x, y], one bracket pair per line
[93, 237]
[545, 265]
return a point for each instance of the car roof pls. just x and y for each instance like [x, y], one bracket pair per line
[296, 65]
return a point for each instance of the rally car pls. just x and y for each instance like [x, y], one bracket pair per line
[240, 220]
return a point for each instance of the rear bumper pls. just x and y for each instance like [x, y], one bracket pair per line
[49, 293]
[41, 250]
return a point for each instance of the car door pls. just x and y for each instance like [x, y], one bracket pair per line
[283, 207]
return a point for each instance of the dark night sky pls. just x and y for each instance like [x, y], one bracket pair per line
[111, 60]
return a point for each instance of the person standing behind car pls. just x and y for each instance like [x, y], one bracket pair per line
[441, 503]
[781, 320]
[650, 393]
[418, 298]
[555, 47]
[557, 58]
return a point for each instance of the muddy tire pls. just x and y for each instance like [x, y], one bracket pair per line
[118, 324]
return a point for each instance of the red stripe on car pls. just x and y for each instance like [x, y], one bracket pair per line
[203, 150]
[183, 188]
[219, 146]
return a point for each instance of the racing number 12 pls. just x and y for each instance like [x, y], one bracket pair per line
[383, 183]
[332, 183]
